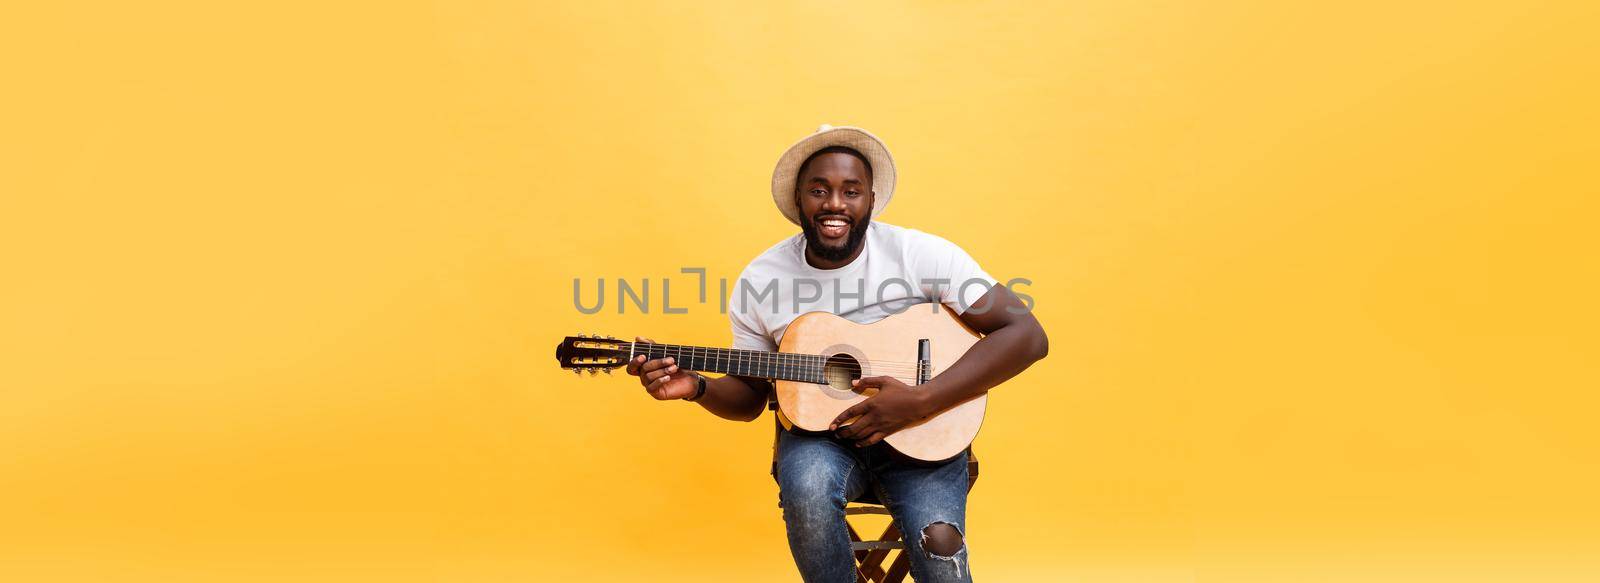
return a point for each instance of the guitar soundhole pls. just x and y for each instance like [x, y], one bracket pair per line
[840, 370]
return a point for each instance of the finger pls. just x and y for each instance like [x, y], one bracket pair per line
[869, 381]
[658, 387]
[855, 410]
[873, 439]
[859, 428]
[658, 364]
[637, 361]
[659, 374]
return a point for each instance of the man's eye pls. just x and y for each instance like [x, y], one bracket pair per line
[853, 193]
[817, 191]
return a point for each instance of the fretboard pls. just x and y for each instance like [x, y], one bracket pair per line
[805, 368]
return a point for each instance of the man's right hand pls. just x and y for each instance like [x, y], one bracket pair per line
[661, 377]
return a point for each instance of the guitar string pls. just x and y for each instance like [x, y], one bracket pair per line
[785, 358]
[809, 370]
[805, 368]
[801, 362]
[759, 353]
[806, 363]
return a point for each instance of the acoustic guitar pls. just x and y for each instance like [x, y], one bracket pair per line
[812, 369]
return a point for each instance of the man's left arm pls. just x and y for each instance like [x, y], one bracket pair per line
[1013, 340]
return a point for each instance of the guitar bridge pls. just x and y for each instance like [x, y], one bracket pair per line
[924, 361]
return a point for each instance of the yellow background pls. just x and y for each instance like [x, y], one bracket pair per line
[282, 282]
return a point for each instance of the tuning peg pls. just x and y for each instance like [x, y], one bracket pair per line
[583, 335]
[592, 372]
[578, 372]
[608, 372]
[610, 338]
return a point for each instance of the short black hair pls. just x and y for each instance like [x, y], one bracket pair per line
[834, 150]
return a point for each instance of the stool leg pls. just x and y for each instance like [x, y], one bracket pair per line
[855, 538]
[898, 570]
[874, 559]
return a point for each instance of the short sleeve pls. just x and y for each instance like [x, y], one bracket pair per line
[946, 273]
[749, 332]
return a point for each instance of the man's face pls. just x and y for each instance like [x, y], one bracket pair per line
[835, 195]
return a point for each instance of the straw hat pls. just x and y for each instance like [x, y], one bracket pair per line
[860, 140]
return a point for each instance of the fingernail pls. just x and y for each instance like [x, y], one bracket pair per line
[856, 382]
[671, 360]
[673, 368]
[833, 426]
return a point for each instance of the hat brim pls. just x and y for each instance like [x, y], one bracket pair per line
[784, 175]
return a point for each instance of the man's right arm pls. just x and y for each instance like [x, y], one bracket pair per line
[729, 397]
[736, 398]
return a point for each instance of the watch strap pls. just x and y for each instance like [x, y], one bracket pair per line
[699, 388]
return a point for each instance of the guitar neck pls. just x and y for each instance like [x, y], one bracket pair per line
[803, 368]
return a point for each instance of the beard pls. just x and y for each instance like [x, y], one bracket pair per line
[858, 233]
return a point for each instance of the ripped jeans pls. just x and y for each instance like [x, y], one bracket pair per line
[818, 474]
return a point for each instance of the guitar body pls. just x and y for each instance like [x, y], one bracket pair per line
[888, 347]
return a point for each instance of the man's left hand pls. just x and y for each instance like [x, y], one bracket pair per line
[895, 406]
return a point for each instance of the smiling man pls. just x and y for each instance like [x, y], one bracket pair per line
[832, 184]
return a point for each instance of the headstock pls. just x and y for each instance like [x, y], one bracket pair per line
[592, 353]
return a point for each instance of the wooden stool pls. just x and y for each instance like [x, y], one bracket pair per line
[870, 554]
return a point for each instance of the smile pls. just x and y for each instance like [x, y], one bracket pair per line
[833, 228]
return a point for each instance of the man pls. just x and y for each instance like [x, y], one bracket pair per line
[832, 184]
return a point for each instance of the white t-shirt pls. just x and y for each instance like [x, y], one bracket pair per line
[899, 268]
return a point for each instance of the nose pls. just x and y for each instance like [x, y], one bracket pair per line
[834, 203]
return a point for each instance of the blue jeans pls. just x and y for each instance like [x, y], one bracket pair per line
[818, 474]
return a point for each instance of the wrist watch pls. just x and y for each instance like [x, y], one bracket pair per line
[699, 388]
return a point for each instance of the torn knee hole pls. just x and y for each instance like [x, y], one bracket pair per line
[942, 539]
